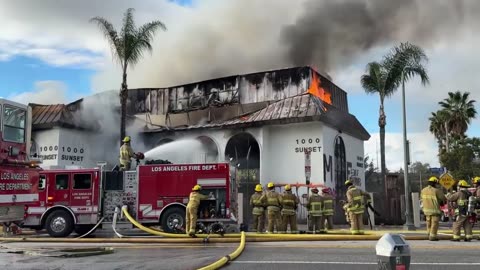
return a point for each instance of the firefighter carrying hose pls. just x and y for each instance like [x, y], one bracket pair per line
[192, 209]
[126, 154]
[432, 199]
[327, 209]
[272, 199]
[258, 209]
[289, 203]
[314, 206]
[355, 207]
[461, 198]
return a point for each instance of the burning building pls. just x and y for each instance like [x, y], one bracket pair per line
[286, 126]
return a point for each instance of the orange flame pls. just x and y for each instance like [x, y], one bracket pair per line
[317, 90]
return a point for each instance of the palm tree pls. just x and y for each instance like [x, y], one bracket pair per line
[439, 127]
[401, 64]
[374, 82]
[128, 47]
[461, 111]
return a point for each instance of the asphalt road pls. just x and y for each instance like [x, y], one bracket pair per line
[273, 255]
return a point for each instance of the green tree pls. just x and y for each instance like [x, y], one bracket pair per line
[462, 161]
[460, 110]
[402, 64]
[128, 47]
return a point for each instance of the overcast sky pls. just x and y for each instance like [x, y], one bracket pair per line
[50, 53]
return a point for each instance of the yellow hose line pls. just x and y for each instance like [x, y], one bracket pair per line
[214, 240]
[149, 230]
[230, 257]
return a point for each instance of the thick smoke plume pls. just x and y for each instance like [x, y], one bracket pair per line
[220, 38]
[331, 34]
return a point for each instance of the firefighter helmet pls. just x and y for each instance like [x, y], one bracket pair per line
[288, 187]
[433, 179]
[348, 182]
[197, 187]
[270, 185]
[326, 190]
[476, 180]
[463, 184]
[126, 139]
[258, 188]
[315, 190]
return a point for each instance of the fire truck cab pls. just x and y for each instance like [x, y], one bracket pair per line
[76, 199]
[18, 174]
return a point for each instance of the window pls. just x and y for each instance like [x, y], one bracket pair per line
[82, 181]
[61, 181]
[42, 182]
[14, 124]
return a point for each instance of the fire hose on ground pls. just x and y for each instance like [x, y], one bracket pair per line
[230, 257]
[258, 237]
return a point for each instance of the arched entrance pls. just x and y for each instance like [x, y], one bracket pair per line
[210, 150]
[340, 178]
[243, 152]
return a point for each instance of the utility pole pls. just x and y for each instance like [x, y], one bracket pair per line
[408, 201]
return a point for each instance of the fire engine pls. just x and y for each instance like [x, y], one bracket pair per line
[156, 194]
[18, 175]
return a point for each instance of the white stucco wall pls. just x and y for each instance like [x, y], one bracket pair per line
[46, 146]
[354, 151]
[283, 158]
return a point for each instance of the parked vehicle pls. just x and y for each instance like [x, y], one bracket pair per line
[18, 174]
[77, 199]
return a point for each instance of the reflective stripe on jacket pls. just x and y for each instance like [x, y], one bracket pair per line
[289, 203]
[314, 205]
[194, 199]
[126, 153]
[355, 200]
[257, 204]
[431, 200]
[327, 205]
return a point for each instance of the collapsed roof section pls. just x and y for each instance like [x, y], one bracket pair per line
[292, 95]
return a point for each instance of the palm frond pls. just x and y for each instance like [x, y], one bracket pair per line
[111, 35]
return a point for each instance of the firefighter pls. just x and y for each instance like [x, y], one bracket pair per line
[432, 198]
[314, 207]
[192, 209]
[258, 209]
[289, 203]
[476, 193]
[327, 209]
[126, 154]
[460, 198]
[355, 206]
[272, 199]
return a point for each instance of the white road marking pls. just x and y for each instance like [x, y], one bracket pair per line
[343, 263]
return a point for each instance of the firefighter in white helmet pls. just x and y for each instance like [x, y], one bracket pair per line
[192, 209]
[126, 154]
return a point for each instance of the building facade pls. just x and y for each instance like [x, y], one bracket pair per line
[289, 126]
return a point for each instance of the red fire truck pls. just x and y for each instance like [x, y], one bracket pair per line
[18, 175]
[76, 200]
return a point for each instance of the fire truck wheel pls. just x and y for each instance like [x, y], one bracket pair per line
[59, 224]
[172, 216]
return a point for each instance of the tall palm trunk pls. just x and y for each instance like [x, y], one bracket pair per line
[382, 122]
[123, 104]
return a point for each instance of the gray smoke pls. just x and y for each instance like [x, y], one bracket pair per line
[330, 34]
[221, 38]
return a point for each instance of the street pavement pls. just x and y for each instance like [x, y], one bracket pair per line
[257, 255]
